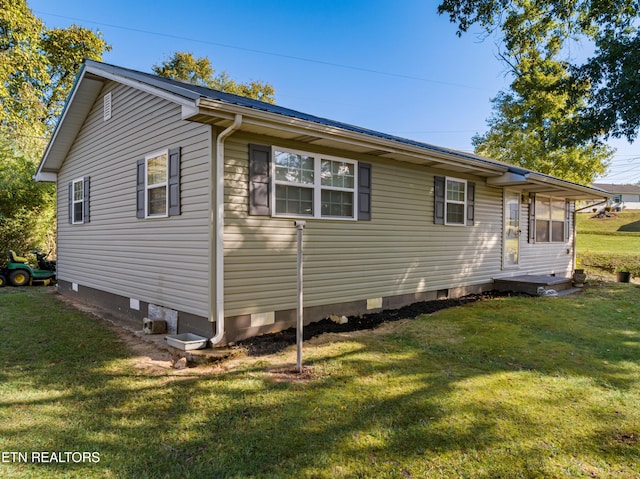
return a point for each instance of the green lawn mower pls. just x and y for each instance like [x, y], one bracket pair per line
[18, 272]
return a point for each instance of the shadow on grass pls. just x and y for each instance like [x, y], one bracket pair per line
[631, 227]
[471, 395]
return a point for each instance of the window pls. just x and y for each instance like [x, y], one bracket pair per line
[550, 222]
[455, 202]
[316, 186]
[79, 201]
[158, 184]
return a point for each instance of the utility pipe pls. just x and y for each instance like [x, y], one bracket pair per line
[300, 304]
[216, 227]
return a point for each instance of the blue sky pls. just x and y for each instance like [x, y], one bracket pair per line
[389, 65]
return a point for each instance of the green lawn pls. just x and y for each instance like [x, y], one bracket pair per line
[609, 244]
[511, 388]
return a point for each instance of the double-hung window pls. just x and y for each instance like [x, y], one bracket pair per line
[79, 201]
[77, 214]
[315, 186]
[156, 184]
[455, 202]
[550, 223]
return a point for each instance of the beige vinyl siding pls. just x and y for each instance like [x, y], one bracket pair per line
[161, 261]
[400, 251]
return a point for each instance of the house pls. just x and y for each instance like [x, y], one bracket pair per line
[178, 202]
[628, 196]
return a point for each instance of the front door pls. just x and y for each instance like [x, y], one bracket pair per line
[511, 238]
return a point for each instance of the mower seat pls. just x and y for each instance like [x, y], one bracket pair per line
[14, 258]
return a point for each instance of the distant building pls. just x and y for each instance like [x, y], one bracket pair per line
[628, 196]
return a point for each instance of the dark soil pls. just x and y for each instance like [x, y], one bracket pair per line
[273, 343]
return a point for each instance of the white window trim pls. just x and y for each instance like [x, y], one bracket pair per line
[74, 201]
[148, 187]
[550, 219]
[447, 201]
[317, 186]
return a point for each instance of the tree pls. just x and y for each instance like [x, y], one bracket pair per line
[37, 70]
[526, 134]
[27, 208]
[535, 124]
[183, 66]
[609, 76]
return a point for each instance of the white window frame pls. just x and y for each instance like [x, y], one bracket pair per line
[164, 184]
[447, 201]
[550, 220]
[74, 201]
[317, 186]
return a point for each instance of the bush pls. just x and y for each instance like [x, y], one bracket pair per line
[612, 262]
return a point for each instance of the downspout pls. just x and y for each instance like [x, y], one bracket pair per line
[217, 228]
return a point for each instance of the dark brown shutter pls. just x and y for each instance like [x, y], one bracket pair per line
[70, 202]
[140, 189]
[567, 221]
[532, 219]
[438, 199]
[174, 181]
[364, 191]
[259, 164]
[85, 206]
[471, 199]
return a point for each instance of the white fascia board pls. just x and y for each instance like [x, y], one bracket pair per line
[330, 132]
[46, 176]
[62, 122]
[188, 100]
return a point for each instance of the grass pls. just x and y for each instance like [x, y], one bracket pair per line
[513, 388]
[609, 244]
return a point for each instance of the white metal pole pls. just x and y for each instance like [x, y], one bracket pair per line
[300, 323]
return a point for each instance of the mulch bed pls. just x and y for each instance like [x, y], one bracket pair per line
[275, 342]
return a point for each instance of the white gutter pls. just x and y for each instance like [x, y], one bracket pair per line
[217, 223]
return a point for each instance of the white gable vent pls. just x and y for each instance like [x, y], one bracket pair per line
[107, 107]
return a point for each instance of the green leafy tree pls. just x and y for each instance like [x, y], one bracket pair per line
[183, 66]
[27, 208]
[534, 124]
[37, 70]
[606, 83]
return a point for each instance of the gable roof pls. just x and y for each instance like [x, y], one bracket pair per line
[218, 108]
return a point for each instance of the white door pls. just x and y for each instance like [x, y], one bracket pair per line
[511, 238]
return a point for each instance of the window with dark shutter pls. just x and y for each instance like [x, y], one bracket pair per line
[158, 184]
[438, 199]
[471, 203]
[259, 178]
[174, 182]
[86, 217]
[298, 175]
[532, 219]
[453, 201]
[364, 191]
[140, 193]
